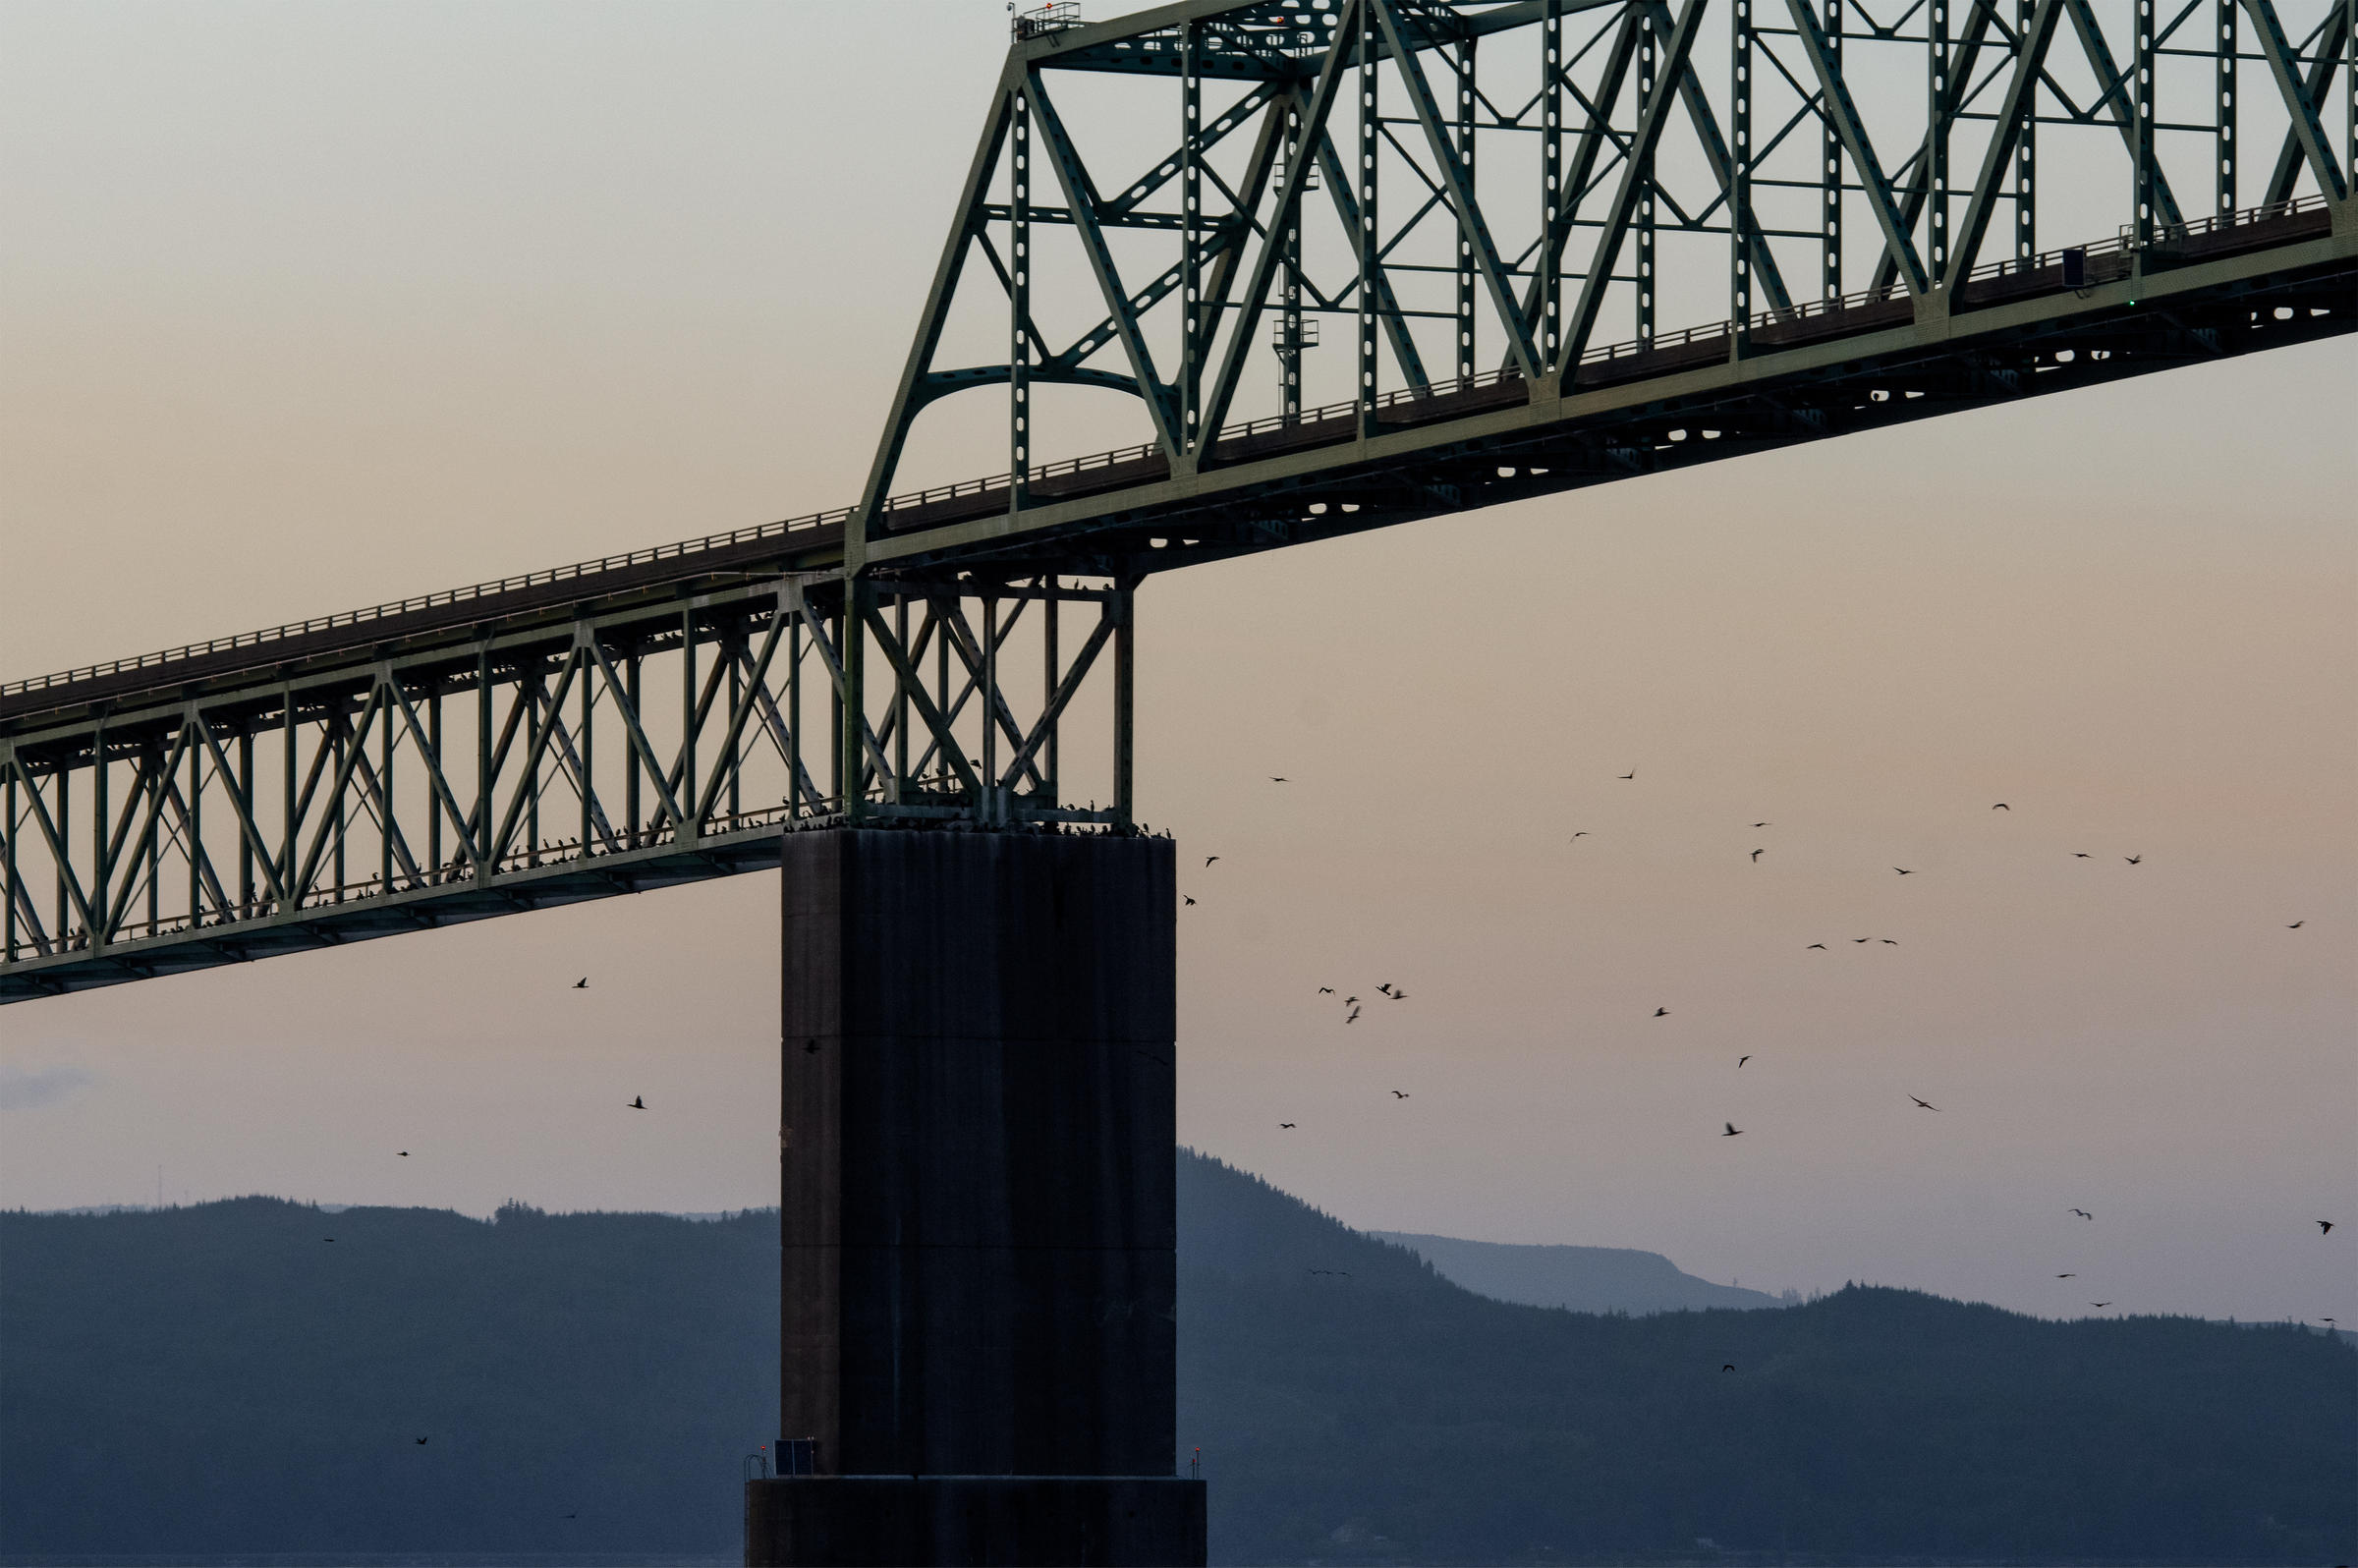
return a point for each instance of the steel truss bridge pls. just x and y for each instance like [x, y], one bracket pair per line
[1560, 242]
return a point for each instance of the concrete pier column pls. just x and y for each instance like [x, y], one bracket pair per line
[978, 1207]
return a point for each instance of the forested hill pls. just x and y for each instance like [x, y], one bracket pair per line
[225, 1378]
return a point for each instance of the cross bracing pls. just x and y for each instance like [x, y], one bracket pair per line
[1555, 244]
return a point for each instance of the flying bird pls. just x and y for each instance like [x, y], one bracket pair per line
[2083, 1214]
[2133, 860]
[1733, 1131]
[1903, 871]
[2081, 855]
[1352, 1017]
[1661, 1012]
[2100, 1303]
[327, 1238]
[1208, 859]
[1820, 946]
[422, 1442]
[1583, 833]
[2324, 1227]
[2296, 926]
[1755, 857]
[1350, 1001]
[581, 984]
[1741, 1060]
[1632, 773]
[1383, 987]
[1399, 1094]
[405, 1153]
[1925, 1103]
[1284, 1125]
[638, 1102]
[2067, 1277]
[1399, 996]
[1727, 1366]
[2001, 805]
[1763, 825]
[1325, 990]
[1887, 941]
[1275, 780]
[1191, 902]
[1861, 938]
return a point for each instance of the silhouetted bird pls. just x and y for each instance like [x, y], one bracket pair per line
[2067, 1277]
[1325, 990]
[1727, 1366]
[1208, 859]
[327, 1238]
[1275, 780]
[1820, 946]
[1733, 1131]
[1383, 987]
[581, 984]
[1632, 773]
[638, 1102]
[2324, 1227]
[405, 1153]
[2002, 807]
[1352, 1017]
[1284, 1125]
[2083, 1214]
[2133, 860]
[1350, 1001]
[1925, 1103]
[1661, 1012]
[2296, 926]
[1583, 833]
[1763, 825]
[1755, 857]
[1399, 1094]
[1741, 1060]
[420, 1442]
[1887, 941]
[2100, 1303]
[2081, 855]
[1903, 871]
[1399, 996]
[1191, 902]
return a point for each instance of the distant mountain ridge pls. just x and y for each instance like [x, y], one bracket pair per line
[223, 1379]
[1581, 1279]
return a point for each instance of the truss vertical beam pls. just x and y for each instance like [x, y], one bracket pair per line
[1469, 281]
[1193, 321]
[2222, 106]
[1369, 236]
[1829, 168]
[1019, 298]
[1547, 279]
[2026, 140]
[1836, 94]
[1739, 173]
[1649, 47]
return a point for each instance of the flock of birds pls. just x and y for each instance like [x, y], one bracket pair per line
[1353, 1009]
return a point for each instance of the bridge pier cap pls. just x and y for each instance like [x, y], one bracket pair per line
[977, 1203]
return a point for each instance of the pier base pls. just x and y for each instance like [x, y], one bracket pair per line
[885, 1521]
[979, 1219]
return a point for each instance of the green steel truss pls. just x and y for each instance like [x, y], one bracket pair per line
[1562, 242]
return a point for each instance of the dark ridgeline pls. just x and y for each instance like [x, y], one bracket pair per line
[215, 1380]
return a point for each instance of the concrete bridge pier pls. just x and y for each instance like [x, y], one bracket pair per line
[978, 1217]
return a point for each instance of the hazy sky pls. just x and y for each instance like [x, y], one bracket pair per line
[306, 306]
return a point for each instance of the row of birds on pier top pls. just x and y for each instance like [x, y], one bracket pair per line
[1353, 1008]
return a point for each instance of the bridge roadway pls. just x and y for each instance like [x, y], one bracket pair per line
[2264, 278]
[2211, 289]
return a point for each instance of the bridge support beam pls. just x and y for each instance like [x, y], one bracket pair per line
[978, 1207]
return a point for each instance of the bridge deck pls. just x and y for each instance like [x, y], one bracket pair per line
[1078, 496]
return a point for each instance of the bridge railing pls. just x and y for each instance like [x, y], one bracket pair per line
[427, 601]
